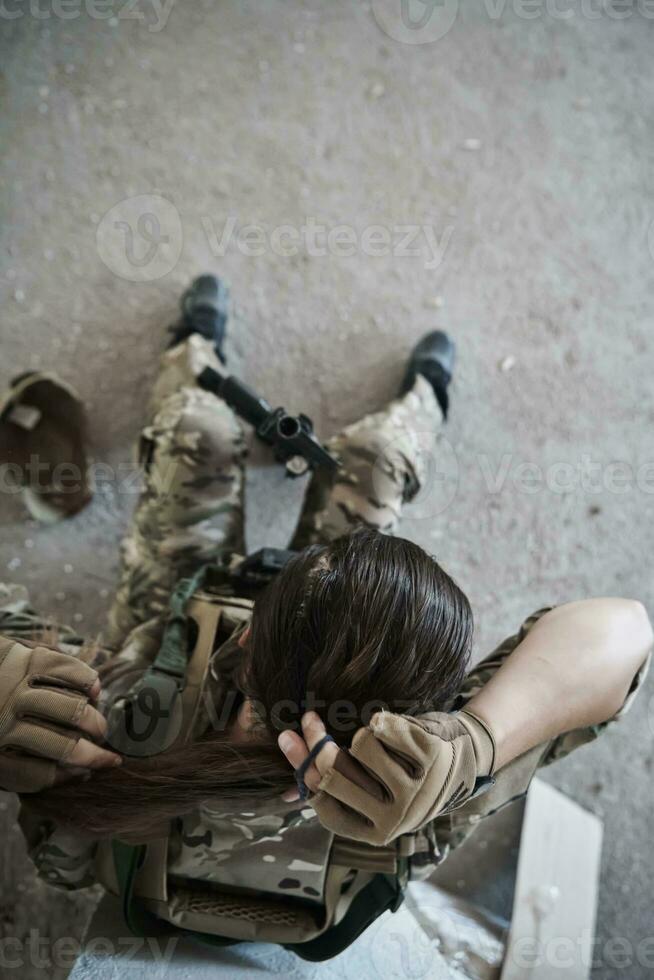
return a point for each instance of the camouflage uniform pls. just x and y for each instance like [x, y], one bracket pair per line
[193, 456]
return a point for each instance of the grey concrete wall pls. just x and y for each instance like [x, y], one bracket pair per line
[520, 139]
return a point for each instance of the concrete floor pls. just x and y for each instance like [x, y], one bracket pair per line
[517, 147]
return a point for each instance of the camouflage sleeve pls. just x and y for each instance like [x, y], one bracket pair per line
[513, 780]
[60, 858]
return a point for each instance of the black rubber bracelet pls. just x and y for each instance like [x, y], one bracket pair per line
[301, 769]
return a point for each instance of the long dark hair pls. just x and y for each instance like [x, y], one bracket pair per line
[366, 622]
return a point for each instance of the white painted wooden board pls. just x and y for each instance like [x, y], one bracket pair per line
[555, 903]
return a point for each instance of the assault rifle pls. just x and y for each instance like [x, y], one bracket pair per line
[291, 436]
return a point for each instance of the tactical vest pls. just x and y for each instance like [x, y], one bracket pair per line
[361, 881]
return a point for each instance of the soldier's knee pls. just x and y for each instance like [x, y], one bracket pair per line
[195, 428]
[208, 426]
[378, 465]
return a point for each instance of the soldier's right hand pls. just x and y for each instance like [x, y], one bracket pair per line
[48, 722]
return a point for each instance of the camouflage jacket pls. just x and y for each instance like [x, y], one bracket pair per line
[281, 848]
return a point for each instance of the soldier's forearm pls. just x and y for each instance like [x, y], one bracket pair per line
[572, 670]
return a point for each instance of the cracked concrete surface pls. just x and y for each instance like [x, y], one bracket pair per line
[518, 149]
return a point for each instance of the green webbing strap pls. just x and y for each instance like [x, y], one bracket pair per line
[172, 657]
[255, 572]
[128, 858]
[149, 718]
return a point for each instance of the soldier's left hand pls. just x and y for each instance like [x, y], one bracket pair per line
[399, 772]
[296, 748]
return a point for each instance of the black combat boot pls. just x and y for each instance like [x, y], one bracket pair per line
[205, 310]
[433, 358]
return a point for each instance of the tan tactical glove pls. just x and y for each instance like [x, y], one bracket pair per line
[401, 772]
[43, 696]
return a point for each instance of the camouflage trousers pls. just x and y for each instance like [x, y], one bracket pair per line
[192, 454]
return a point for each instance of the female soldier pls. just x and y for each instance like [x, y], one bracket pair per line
[360, 625]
